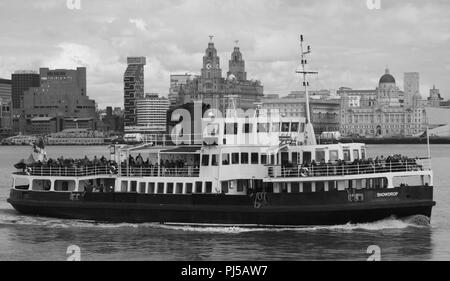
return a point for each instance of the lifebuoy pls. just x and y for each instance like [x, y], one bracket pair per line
[304, 172]
[113, 170]
[28, 170]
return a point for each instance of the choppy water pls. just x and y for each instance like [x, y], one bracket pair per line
[38, 238]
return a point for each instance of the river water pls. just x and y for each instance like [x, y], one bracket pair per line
[38, 238]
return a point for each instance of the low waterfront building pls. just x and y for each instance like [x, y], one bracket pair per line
[325, 113]
[381, 111]
[62, 94]
[434, 99]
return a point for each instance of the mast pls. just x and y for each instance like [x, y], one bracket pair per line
[310, 138]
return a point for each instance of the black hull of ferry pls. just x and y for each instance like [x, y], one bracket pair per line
[327, 208]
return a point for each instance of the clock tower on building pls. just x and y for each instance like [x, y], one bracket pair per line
[237, 65]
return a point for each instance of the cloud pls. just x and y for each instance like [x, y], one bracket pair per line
[140, 24]
[351, 44]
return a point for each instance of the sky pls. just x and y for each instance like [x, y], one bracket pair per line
[352, 42]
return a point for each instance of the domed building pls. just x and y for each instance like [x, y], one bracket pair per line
[387, 91]
[380, 112]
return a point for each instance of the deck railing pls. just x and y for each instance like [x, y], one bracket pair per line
[67, 171]
[159, 171]
[137, 171]
[325, 170]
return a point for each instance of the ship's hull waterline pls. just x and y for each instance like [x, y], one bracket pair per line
[326, 208]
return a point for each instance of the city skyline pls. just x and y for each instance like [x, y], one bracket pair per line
[101, 35]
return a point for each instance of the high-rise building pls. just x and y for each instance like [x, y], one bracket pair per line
[5, 115]
[133, 80]
[21, 81]
[411, 87]
[152, 111]
[5, 89]
[62, 95]
[177, 83]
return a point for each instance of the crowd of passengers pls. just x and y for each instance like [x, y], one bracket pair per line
[394, 163]
[135, 165]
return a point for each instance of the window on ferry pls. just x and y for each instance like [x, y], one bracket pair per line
[242, 185]
[225, 159]
[295, 187]
[254, 158]
[346, 154]
[244, 158]
[179, 188]
[263, 127]
[198, 187]
[169, 188]
[302, 127]
[208, 187]
[284, 158]
[142, 187]
[320, 156]
[160, 187]
[320, 186]
[285, 127]
[294, 127]
[235, 158]
[284, 187]
[215, 160]
[205, 159]
[212, 129]
[231, 128]
[263, 158]
[275, 127]
[334, 155]
[188, 187]
[268, 187]
[307, 187]
[224, 185]
[363, 153]
[133, 186]
[294, 158]
[332, 185]
[248, 128]
[272, 159]
[151, 187]
[355, 154]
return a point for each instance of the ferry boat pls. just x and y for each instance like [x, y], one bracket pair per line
[257, 168]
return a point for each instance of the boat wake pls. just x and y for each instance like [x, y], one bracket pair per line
[10, 217]
[388, 223]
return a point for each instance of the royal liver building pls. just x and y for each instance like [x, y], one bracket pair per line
[384, 111]
[234, 90]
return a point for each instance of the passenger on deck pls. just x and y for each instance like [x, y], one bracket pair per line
[139, 160]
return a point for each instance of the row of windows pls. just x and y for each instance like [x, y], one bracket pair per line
[242, 185]
[236, 158]
[232, 128]
[255, 158]
[168, 188]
